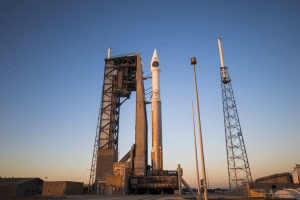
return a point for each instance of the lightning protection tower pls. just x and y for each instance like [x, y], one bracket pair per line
[237, 160]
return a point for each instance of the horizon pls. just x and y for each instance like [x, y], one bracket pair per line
[52, 63]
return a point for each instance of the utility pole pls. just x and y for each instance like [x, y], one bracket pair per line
[193, 62]
[196, 157]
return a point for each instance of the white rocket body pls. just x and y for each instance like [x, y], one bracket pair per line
[157, 161]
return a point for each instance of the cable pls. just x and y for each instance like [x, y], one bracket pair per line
[148, 89]
[145, 65]
[125, 12]
[87, 3]
[224, 18]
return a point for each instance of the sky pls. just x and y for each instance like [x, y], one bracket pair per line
[52, 63]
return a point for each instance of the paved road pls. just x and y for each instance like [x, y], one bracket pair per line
[157, 197]
[131, 197]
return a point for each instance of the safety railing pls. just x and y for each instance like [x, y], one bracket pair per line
[123, 55]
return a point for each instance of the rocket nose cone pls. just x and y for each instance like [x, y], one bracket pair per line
[155, 62]
[155, 56]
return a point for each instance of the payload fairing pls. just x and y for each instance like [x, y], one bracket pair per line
[157, 161]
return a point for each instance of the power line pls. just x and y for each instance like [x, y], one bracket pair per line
[224, 18]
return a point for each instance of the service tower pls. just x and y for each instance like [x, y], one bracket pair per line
[157, 163]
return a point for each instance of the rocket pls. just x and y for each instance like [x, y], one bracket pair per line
[157, 163]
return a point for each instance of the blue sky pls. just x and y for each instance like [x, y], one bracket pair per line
[52, 62]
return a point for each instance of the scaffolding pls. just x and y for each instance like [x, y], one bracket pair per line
[119, 81]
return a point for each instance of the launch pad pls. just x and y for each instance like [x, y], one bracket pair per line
[131, 174]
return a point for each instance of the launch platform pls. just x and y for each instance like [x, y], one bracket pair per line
[131, 174]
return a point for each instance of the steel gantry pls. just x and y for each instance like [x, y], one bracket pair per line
[237, 160]
[119, 81]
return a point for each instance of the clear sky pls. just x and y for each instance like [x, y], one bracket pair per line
[52, 63]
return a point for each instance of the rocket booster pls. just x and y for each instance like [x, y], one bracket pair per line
[157, 163]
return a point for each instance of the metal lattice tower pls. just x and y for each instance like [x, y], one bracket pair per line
[237, 160]
[119, 80]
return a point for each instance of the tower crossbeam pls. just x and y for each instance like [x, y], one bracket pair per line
[237, 160]
[119, 81]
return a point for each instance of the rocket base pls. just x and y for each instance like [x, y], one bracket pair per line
[157, 158]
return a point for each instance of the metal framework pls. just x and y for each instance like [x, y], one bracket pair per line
[119, 80]
[237, 160]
